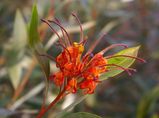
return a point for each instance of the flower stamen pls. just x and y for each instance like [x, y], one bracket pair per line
[128, 70]
[55, 22]
[45, 21]
[92, 47]
[113, 46]
[65, 41]
[120, 56]
[74, 14]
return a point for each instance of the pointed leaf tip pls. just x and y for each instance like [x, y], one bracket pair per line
[33, 28]
[122, 61]
[35, 44]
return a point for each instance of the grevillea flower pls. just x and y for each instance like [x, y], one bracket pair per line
[79, 70]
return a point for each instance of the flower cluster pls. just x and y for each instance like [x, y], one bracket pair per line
[79, 70]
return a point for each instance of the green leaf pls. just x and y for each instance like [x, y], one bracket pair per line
[64, 111]
[81, 115]
[43, 61]
[15, 73]
[19, 32]
[147, 102]
[35, 44]
[33, 28]
[15, 49]
[121, 61]
[38, 49]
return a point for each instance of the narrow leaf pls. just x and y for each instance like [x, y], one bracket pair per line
[38, 49]
[33, 28]
[121, 61]
[147, 102]
[16, 49]
[15, 73]
[19, 32]
[16, 46]
[43, 61]
[81, 115]
[35, 44]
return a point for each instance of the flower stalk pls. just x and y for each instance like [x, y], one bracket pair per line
[57, 99]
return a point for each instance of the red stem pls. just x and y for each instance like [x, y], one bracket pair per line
[44, 110]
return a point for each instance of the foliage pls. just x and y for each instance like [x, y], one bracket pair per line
[81, 115]
[35, 44]
[122, 61]
[147, 103]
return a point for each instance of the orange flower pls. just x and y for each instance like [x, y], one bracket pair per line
[88, 85]
[57, 78]
[72, 85]
[78, 70]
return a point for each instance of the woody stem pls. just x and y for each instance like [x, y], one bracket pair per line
[44, 110]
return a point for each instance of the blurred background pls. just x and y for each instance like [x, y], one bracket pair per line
[133, 22]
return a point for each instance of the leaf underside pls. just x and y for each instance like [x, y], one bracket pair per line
[121, 61]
